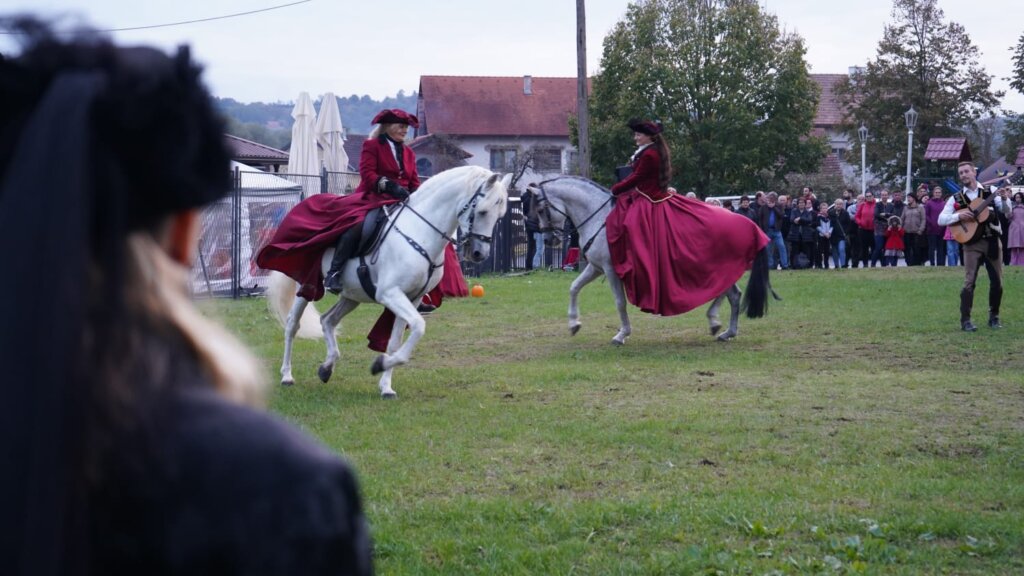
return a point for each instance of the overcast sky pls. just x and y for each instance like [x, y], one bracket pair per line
[380, 47]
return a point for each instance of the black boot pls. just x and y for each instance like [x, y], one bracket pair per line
[995, 298]
[348, 243]
[966, 303]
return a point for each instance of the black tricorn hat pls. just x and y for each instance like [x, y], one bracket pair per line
[645, 126]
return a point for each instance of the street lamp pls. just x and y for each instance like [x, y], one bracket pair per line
[911, 118]
[863, 133]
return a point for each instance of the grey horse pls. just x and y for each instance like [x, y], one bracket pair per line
[587, 205]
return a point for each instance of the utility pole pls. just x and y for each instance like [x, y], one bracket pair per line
[582, 114]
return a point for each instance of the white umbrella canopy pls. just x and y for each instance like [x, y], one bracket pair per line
[329, 134]
[302, 157]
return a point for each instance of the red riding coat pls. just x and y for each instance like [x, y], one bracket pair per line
[315, 224]
[645, 176]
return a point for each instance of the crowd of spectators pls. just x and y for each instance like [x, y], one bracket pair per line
[876, 229]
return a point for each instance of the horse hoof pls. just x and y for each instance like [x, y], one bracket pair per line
[287, 382]
[378, 365]
[616, 342]
[324, 373]
[388, 395]
[574, 329]
[726, 337]
[715, 328]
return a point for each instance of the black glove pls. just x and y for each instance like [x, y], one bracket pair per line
[395, 190]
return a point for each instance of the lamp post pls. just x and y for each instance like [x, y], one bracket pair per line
[863, 133]
[911, 118]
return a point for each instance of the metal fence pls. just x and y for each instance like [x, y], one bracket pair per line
[239, 225]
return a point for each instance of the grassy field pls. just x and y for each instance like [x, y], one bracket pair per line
[853, 430]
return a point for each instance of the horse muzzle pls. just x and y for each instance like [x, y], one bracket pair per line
[552, 240]
[477, 248]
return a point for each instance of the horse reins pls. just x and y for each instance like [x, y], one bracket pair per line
[546, 206]
[431, 267]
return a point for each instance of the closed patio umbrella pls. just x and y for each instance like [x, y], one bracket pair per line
[302, 157]
[330, 136]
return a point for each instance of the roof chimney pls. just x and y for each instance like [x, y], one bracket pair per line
[527, 85]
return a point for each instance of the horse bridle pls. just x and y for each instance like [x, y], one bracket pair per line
[467, 236]
[471, 206]
[546, 206]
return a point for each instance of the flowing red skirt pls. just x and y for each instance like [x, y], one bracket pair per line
[311, 227]
[676, 254]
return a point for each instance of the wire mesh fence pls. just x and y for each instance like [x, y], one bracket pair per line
[235, 228]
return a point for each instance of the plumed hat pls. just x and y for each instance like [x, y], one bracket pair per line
[645, 126]
[396, 116]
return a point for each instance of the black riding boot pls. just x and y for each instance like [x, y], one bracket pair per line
[348, 243]
[995, 298]
[966, 303]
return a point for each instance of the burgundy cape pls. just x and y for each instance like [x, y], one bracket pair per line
[673, 253]
[311, 227]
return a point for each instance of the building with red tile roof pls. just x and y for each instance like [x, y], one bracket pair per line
[502, 121]
[497, 120]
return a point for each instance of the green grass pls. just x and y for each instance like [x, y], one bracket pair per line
[853, 430]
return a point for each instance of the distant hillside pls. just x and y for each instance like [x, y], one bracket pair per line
[271, 124]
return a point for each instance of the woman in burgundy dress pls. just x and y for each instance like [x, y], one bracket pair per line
[673, 253]
[387, 170]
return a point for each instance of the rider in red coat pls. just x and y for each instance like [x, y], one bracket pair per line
[387, 170]
[673, 253]
[323, 220]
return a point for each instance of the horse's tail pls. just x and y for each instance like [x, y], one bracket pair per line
[281, 296]
[755, 297]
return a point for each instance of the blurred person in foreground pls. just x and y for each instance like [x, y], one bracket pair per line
[134, 441]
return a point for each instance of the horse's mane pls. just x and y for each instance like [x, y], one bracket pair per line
[473, 177]
[578, 179]
[448, 177]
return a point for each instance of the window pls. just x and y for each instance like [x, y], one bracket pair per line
[503, 159]
[573, 163]
[547, 160]
[424, 167]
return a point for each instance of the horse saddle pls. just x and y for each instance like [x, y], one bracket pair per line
[369, 234]
[372, 226]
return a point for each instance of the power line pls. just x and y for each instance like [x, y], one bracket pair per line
[182, 23]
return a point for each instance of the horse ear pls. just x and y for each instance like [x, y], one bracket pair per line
[506, 181]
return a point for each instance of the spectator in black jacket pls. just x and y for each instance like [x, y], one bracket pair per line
[842, 231]
[802, 234]
[883, 210]
[746, 209]
[141, 448]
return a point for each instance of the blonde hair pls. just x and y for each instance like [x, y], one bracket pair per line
[156, 288]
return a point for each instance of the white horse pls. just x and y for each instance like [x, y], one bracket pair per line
[405, 264]
[587, 205]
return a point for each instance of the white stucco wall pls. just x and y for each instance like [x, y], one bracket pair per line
[480, 147]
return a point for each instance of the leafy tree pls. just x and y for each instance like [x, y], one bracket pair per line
[1017, 79]
[731, 89]
[924, 62]
[271, 123]
[1013, 133]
